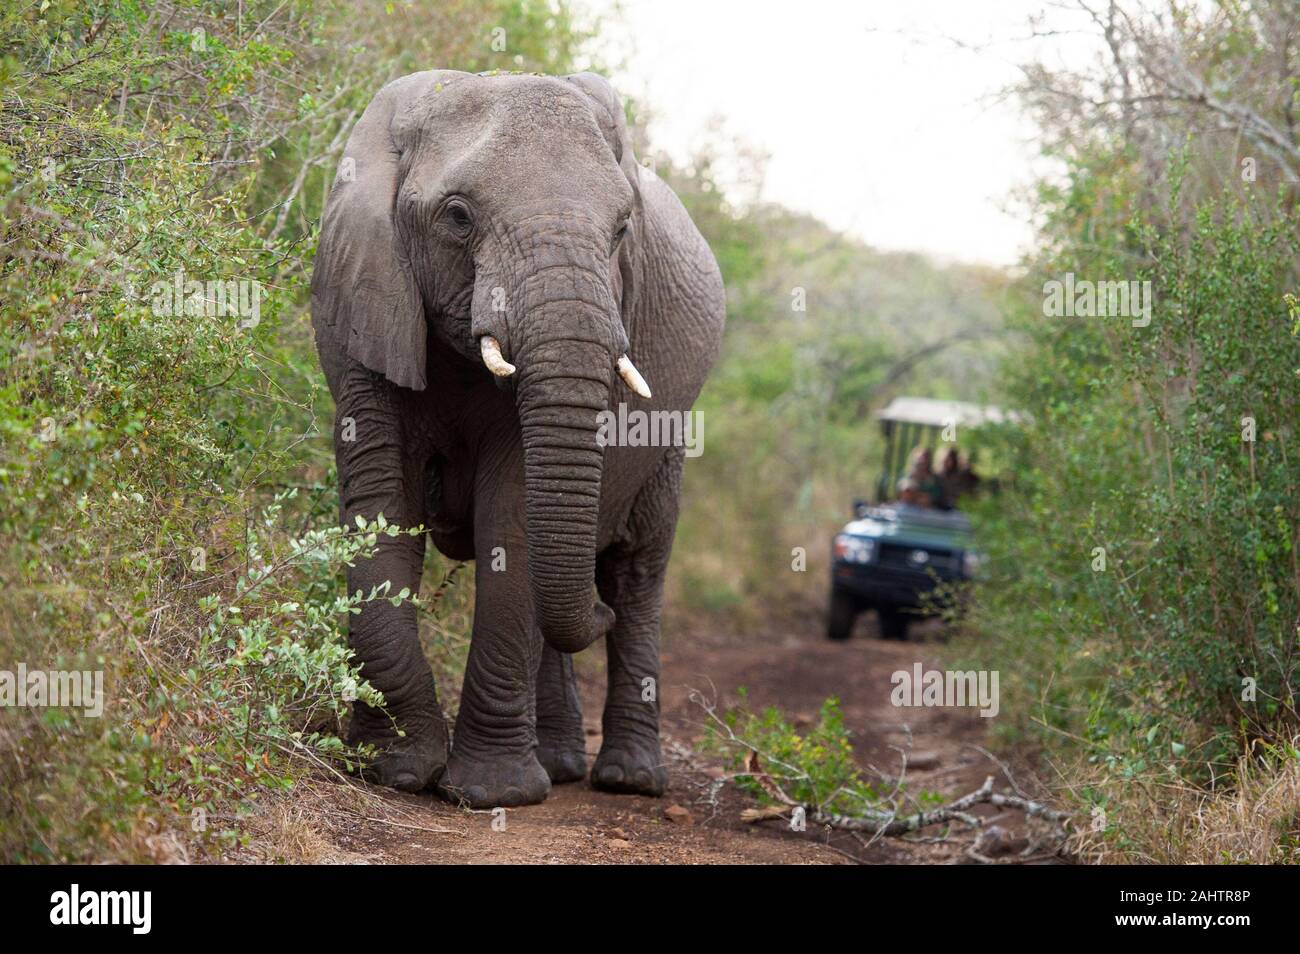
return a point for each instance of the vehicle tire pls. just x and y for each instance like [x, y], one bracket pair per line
[844, 610]
[893, 623]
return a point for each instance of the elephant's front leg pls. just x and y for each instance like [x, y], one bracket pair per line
[630, 577]
[494, 748]
[378, 474]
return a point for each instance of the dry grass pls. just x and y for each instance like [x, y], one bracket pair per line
[1257, 821]
[296, 827]
[327, 819]
[293, 838]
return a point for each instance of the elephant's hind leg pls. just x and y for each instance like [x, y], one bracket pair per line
[561, 742]
[630, 577]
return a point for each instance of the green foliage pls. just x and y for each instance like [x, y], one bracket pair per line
[274, 655]
[1142, 596]
[814, 768]
[1138, 447]
[269, 675]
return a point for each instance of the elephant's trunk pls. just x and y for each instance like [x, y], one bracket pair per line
[563, 386]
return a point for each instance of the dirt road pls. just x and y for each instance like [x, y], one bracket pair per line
[794, 671]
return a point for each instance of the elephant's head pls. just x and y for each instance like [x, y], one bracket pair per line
[497, 216]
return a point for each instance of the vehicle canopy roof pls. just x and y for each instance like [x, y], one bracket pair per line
[932, 412]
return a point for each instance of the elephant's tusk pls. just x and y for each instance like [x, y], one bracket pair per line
[491, 350]
[628, 372]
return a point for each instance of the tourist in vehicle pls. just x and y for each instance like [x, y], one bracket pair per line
[966, 471]
[951, 478]
[909, 492]
[955, 478]
[927, 481]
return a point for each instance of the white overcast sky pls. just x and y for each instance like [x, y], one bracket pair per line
[874, 119]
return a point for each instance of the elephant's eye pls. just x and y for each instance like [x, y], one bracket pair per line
[457, 215]
[619, 236]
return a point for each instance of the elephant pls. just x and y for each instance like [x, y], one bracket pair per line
[494, 271]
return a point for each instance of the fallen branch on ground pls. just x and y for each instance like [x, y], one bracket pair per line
[889, 823]
[879, 822]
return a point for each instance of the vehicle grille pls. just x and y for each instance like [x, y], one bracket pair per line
[943, 562]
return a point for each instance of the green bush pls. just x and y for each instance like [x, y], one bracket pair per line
[1143, 595]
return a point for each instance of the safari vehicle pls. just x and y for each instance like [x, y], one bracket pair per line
[899, 559]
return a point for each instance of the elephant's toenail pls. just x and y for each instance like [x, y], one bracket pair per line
[405, 782]
[476, 794]
[611, 775]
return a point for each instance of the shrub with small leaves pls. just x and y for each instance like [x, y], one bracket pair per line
[815, 768]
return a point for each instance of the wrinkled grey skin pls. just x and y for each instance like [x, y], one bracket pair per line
[459, 193]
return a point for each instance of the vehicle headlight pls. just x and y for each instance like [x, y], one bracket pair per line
[852, 549]
[971, 563]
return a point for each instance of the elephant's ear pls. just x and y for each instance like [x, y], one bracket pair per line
[607, 107]
[362, 286]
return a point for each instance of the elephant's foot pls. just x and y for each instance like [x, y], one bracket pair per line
[561, 742]
[500, 781]
[564, 757]
[630, 765]
[408, 764]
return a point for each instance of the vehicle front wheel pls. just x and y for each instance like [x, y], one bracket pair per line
[893, 623]
[844, 610]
